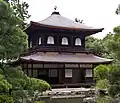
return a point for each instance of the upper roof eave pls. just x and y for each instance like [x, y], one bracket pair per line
[67, 28]
[58, 22]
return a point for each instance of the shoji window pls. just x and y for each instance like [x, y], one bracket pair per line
[89, 73]
[50, 40]
[78, 41]
[53, 73]
[68, 73]
[64, 41]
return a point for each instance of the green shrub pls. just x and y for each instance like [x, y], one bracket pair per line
[37, 84]
[103, 99]
[101, 72]
[102, 84]
[114, 90]
[114, 76]
[14, 82]
[6, 99]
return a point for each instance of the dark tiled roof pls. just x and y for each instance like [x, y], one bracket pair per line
[60, 22]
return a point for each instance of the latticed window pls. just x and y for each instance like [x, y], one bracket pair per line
[78, 41]
[64, 41]
[89, 73]
[53, 73]
[50, 40]
[68, 73]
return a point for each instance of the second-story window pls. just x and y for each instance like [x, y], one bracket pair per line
[50, 40]
[40, 41]
[64, 41]
[78, 42]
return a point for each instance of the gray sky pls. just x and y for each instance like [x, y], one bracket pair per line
[96, 13]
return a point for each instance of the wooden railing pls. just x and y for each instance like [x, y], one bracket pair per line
[58, 49]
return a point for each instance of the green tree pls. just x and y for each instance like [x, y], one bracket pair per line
[114, 75]
[103, 84]
[114, 90]
[101, 72]
[21, 11]
[6, 99]
[21, 86]
[112, 41]
[13, 41]
[95, 45]
[105, 99]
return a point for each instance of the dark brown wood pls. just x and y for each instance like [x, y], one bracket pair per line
[73, 85]
[32, 70]
[61, 48]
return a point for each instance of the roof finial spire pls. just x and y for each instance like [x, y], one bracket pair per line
[55, 8]
[55, 11]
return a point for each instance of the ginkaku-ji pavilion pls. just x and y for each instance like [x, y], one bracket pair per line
[57, 52]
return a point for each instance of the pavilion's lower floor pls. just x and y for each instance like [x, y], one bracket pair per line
[70, 75]
[62, 69]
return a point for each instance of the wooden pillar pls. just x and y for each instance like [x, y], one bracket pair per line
[72, 41]
[79, 72]
[58, 77]
[58, 41]
[82, 73]
[43, 40]
[32, 69]
[63, 73]
[59, 73]
[93, 66]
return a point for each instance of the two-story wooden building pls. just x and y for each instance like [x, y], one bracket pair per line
[57, 52]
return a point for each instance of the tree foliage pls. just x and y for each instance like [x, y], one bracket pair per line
[112, 44]
[97, 46]
[17, 84]
[114, 90]
[101, 72]
[21, 11]
[104, 99]
[6, 99]
[114, 76]
[13, 41]
[103, 84]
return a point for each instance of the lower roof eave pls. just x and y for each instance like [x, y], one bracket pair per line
[89, 31]
[78, 58]
[38, 61]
